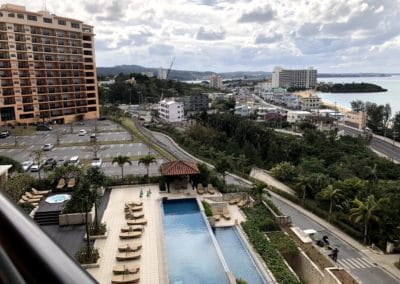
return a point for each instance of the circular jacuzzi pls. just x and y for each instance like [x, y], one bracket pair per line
[58, 198]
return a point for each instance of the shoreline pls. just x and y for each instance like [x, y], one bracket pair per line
[325, 102]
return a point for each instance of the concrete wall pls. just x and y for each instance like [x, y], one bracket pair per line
[282, 220]
[75, 218]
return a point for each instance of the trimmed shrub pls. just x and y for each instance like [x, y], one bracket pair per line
[85, 258]
[207, 208]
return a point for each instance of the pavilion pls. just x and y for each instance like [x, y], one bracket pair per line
[179, 173]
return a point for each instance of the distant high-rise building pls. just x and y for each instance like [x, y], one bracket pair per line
[47, 68]
[162, 74]
[302, 78]
[215, 81]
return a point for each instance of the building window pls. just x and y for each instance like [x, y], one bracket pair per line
[75, 25]
[62, 22]
[11, 15]
[47, 20]
[32, 18]
[20, 16]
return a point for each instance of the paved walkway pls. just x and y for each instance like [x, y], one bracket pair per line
[263, 176]
[152, 268]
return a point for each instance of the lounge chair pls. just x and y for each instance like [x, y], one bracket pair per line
[135, 208]
[140, 221]
[242, 203]
[134, 215]
[125, 278]
[33, 196]
[130, 235]
[217, 217]
[126, 269]
[128, 255]
[210, 189]
[135, 228]
[61, 183]
[30, 200]
[134, 203]
[225, 214]
[129, 247]
[234, 201]
[71, 183]
[40, 192]
[200, 189]
[22, 201]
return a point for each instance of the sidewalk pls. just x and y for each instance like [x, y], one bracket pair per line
[385, 261]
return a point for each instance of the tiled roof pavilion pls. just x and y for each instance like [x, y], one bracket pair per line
[179, 168]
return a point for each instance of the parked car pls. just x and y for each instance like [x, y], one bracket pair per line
[4, 134]
[74, 161]
[96, 162]
[102, 118]
[50, 164]
[35, 167]
[43, 127]
[62, 162]
[93, 137]
[26, 165]
[82, 132]
[47, 147]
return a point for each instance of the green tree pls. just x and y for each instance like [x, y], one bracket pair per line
[302, 183]
[387, 114]
[222, 166]
[257, 191]
[147, 161]
[38, 156]
[332, 194]
[365, 211]
[284, 171]
[96, 179]
[357, 106]
[16, 185]
[121, 161]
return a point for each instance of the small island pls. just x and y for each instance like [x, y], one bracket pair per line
[350, 88]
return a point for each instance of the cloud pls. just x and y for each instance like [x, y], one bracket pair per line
[161, 49]
[114, 11]
[258, 15]
[268, 38]
[209, 34]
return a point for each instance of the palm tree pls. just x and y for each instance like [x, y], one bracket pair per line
[222, 166]
[96, 177]
[330, 193]
[303, 183]
[365, 211]
[121, 161]
[38, 157]
[147, 161]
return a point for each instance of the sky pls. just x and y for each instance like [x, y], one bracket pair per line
[241, 35]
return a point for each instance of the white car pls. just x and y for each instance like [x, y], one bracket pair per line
[82, 132]
[47, 147]
[35, 167]
[26, 165]
[96, 162]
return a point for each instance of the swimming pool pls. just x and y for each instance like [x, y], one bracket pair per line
[238, 258]
[192, 256]
[58, 198]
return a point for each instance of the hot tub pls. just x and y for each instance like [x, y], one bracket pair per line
[58, 198]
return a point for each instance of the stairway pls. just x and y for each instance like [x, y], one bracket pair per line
[47, 218]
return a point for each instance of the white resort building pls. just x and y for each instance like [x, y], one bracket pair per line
[171, 110]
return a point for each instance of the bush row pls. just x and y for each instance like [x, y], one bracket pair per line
[207, 208]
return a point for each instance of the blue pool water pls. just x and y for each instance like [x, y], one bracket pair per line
[58, 198]
[237, 257]
[191, 255]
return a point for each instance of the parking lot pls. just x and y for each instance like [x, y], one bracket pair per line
[113, 141]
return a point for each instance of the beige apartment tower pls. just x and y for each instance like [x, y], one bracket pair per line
[47, 68]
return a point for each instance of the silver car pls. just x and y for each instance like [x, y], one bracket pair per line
[26, 165]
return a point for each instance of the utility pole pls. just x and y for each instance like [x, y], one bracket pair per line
[394, 141]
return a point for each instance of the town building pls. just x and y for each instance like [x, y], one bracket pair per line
[356, 119]
[195, 102]
[47, 68]
[162, 74]
[215, 81]
[171, 110]
[294, 116]
[310, 102]
[148, 74]
[243, 110]
[298, 79]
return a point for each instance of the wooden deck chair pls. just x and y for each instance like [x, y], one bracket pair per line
[140, 221]
[33, 196]
[40, 192]
[126, 269]
[200, 189]
[137, 228]
[234, 201]
[22, 201]
[30, 200]
[210, 189]
[61, 183]
[130, 235]
[225, 214]
[135, 203]
[71, 183]
[125, 278]
[128, 255]
[129, 247]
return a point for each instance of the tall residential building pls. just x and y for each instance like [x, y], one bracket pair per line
[162, 74]
[47, 68]
[302, 78]
[215, 81]
[195, 102]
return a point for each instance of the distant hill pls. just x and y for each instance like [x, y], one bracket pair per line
[181, 75]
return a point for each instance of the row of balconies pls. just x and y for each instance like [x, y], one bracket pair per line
[52, 33]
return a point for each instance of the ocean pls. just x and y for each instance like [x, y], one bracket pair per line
[392, 96]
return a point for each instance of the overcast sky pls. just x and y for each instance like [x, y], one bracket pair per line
[215, 35]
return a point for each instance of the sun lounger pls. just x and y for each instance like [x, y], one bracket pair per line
[134, 203]
[138, 228]
[40, 192]
[217, 217]
[140, 221]
[33, 196]
[133, 208]
[21, 201]
[61, 183]
[225, 214]
[210, 189]
[234, 201]
[128, 255]
[30, 200]
[71, 183]
[134, 215]
[200, 189]
[125, 278]
[242, 203]
[129, 247]
[126, 269]
[130, 235]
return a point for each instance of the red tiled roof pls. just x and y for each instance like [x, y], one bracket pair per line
[177, 168]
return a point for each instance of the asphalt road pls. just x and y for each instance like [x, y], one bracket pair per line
[349, 258]
[379, 145]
